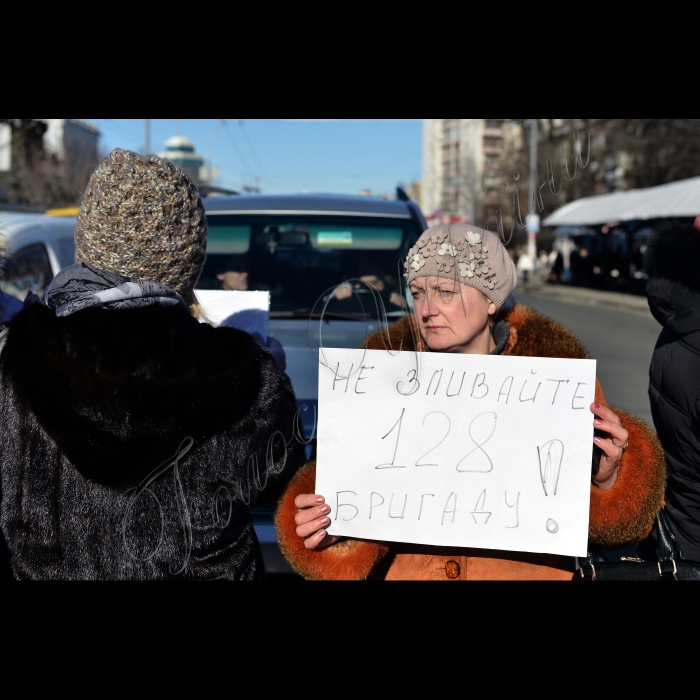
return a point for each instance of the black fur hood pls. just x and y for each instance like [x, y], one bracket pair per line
[674, 254]
[118, 390]
[673, 265]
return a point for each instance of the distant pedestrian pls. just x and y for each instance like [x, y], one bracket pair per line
[673, 265]
[526, 266]
[556, 260]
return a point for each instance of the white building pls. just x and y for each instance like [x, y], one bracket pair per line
[5, 148]
[73, 141]
[461, 167]
[68, 137]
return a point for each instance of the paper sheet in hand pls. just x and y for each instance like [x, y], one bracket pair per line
[457, 450]
[247, 311]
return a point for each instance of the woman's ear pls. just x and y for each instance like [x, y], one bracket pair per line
[493, 309]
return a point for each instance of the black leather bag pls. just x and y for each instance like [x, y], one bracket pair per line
[669, 564]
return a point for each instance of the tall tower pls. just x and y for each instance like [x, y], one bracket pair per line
[181, 151]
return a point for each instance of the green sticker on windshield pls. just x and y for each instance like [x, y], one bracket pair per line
[335, 238]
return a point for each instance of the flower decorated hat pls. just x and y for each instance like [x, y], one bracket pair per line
[467, 254]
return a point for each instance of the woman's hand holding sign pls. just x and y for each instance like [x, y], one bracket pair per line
[612, 443]
[611, 439]
[312, 519]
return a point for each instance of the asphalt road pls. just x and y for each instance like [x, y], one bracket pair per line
[621, 341]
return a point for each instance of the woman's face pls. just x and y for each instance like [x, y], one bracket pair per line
[451, 316]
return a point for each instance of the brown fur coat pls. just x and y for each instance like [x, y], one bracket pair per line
[619, 516]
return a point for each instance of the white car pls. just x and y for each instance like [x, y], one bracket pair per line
[40, 246]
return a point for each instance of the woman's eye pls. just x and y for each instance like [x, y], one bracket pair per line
[446, 295]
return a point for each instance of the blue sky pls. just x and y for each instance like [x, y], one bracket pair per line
[289, 155]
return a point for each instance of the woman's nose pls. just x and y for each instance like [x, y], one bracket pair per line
[427, 308]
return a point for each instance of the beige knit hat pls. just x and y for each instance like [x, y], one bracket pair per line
[468, 254]
[142, 217]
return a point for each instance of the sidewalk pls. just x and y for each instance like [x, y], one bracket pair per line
[588, 297]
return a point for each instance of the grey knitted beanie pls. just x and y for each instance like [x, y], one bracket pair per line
[468, 254]
[142, 217]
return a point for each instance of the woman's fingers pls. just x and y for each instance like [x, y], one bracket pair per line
[313, 526]
[311, 518]
[617, 432]
[607, 421]
[611, 439]
[610, 450]
[607, 471]
[316, 540]
[308, 500]
[604, 413]
[312, 521]
[320, 539]
[309, 514]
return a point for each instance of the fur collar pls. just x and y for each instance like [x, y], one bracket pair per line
[673, 253]
[531, 335]
[117, 389]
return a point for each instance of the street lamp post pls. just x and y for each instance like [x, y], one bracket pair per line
[533, 223]
[209, 166]
[148, 136]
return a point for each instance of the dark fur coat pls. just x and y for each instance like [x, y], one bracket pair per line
[95, 407]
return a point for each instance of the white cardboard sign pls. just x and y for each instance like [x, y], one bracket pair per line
[457, 450]
[247, 311]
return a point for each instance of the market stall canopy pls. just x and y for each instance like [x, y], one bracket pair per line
[674, 200]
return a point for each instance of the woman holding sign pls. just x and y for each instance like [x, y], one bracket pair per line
[461, 278]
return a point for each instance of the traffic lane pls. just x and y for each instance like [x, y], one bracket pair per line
[622, 342]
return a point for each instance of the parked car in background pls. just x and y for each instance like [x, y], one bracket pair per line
[299, 248]
[39, 246]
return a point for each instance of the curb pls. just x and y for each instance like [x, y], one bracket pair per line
[588, 297]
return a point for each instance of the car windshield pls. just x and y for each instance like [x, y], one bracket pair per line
[301, 259]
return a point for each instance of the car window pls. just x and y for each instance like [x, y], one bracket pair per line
[228, 239]
[65, 250]
[28, 270]
[298, 258]
[335, 237]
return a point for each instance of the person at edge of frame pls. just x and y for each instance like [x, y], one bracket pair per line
[127, 423]
[627, 473]
[9, 305]
[672, 262]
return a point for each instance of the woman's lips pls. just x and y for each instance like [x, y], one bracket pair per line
[433, 329]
